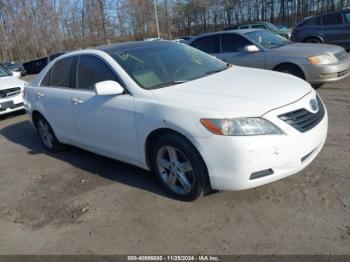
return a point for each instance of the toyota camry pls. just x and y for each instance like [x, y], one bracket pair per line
[196, 122]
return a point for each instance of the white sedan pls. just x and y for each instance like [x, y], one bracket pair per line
[196, 122]
[11, 89]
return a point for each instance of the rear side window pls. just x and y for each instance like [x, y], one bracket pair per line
[244, 27]
[92, 70]
[61, 73]
[317, 21]
[310, 22]
[208, 44]
[332, 19]
[46, 79]
[259, 26]
[233, 43]
[347, 17]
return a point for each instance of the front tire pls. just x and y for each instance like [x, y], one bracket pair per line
[47, 136]
[290, 69]
[179, 168]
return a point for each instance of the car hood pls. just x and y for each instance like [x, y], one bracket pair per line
[10, 81]
[235, 92]
[306, 50]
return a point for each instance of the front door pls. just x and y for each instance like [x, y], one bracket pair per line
[106, 123]
[232, 51]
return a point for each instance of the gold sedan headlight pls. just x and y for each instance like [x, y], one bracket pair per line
[322, 59]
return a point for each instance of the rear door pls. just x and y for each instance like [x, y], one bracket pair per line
[209, 44]
[54, 94]
[106, 123]
[232, 51]
[333, 28]
[346, 16]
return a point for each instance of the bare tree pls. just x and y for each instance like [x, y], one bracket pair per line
[35, 28]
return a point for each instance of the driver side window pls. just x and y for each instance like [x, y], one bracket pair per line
[92, 70]
[231, 43]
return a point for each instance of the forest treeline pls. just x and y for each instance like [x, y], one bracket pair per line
[35, 28]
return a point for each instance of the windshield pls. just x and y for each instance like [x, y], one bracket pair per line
[267, 39]
[3, 72]
[156, 66]
[272, 26]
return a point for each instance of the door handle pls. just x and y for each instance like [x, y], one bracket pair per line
[39, 94]
[77, 100]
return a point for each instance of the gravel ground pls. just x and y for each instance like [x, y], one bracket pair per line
[76, 202]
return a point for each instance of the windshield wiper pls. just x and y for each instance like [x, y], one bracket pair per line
[169, 83]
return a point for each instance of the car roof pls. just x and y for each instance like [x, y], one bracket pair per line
[256, 23]
[237, 31]
[329, 13]
[131, 45]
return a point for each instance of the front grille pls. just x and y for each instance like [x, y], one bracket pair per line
[341, 55]
[304, 120]
[10, 92]
[343, 73]
[12, 107]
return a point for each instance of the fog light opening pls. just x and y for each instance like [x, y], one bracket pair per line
[261, 173]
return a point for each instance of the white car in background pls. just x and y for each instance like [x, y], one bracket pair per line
[196, 122]
[11, 89]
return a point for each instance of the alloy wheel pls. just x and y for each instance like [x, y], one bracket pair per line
[175, 170]
[45, 133]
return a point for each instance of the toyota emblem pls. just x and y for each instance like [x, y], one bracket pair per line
[314, 105]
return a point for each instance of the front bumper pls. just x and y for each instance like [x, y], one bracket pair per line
[231, 161]
[17, 104]
[319, 74]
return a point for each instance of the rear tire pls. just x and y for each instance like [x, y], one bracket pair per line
[179, 168]
[47, 136]
[313, 40]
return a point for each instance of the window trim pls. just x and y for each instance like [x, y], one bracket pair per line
[345, 21]
[221, 50]
[204, 37]
[116, 75]
[337, 13]
[75, 68]
[50, 72]
[42, 79]
[262, 26]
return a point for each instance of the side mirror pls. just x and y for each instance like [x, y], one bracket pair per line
[108, 88]
[251, 49]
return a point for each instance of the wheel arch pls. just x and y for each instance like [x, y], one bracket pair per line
[289, 64]
[35, 115]
[313, 36]
[155, 134]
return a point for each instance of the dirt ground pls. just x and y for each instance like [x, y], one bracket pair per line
[76, 202]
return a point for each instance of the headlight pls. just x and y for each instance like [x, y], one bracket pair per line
[241, 127]
[322, 59]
